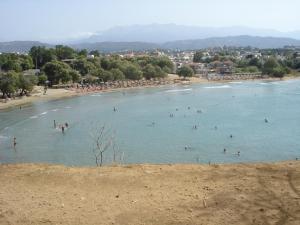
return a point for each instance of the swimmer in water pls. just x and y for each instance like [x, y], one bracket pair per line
[238, 153]
[224, 150]
[15, 142]
[63, 129]
[266, 121]
[67, 125]
[54, 123]
[231, 136]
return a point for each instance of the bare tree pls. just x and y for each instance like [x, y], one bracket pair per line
[118, 156]
[103, 140]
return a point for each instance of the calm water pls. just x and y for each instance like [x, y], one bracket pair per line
[234, 108]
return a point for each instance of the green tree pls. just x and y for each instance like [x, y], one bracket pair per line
[26, 84]
[75, 75]
[270, 65]
[64, 52]
[164, 62]
[8, 83]
[185, 71]
[149, 71]
[133, 72]
[57, 72]
[41, 55]
[117, 74]
[84, 67]
[42, 79]
[95, 53]
[83, 53]
[198, 57]
[107, 76]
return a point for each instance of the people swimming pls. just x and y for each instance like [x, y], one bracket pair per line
[224, 151]
[231, 136]
[195, 127]
[63, 129]
[115, 109]
[67, 125]
[238, 153]
[266, 121]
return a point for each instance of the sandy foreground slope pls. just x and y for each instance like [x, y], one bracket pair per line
[151, 194]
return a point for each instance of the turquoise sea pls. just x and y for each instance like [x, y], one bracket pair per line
[146, 133]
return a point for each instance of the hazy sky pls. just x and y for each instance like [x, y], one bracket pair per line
[60, 19]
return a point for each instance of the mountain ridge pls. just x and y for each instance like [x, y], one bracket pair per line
[192, 44]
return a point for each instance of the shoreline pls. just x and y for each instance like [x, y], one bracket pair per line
[56, 94]
[258, 193]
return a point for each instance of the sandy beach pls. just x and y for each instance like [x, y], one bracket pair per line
[53, 94]
[37, 95]
[151, 194]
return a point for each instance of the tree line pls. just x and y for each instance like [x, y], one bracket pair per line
[63, 64]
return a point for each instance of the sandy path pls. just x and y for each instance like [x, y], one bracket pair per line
[151, 194]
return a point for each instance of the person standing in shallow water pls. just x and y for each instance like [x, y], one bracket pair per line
[63, 129]
[54, 123]
[15, 142]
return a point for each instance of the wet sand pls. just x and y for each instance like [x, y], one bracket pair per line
[151, 194]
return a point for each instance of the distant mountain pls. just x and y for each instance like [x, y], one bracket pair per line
[236, 41]
[232, 41]
[20, 46]
[160, 33]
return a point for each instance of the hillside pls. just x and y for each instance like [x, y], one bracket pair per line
[106, 47]
[20, 46]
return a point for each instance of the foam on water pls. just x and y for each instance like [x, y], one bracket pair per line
[235, 82]
[44, 113]
[96, 95]
[179, 90]
[54, 110]
[216, 87]
[33, 117]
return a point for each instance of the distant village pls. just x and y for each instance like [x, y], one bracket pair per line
[229, 62]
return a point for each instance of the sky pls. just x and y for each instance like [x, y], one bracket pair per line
[47, 20]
